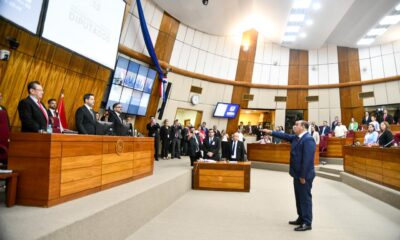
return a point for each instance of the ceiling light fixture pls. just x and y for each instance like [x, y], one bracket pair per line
[293, 29]
[376, 31]
[296, 17]
[390, 20]
[205, 2]
[289, 38]
[302, 4]
[317, 6]
[309, 22]
[365, 41]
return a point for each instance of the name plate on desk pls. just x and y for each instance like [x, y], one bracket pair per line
[222, 176]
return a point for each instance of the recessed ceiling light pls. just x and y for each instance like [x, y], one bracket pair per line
[309, 22]
[316, 6]
[390, 20]
[303, 35]
[293, 29]
[397, 7]
[376, 31]
[289, 38]
[365, 41]
[296, 17]
[301, 4]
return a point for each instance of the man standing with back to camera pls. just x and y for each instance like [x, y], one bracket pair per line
[302, 170]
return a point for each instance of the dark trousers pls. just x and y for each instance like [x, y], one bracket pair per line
[194, 158]
[303, 196]
[164, 148]
[156, 142]
[176, 148]
[184, 147]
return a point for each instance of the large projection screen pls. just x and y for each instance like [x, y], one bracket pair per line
[90, 28]
[25, 13]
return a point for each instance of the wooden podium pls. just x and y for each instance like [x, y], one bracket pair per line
[54, 168]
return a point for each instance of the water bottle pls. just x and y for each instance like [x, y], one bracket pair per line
[49, 129]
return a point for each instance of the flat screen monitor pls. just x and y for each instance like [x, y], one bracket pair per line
[25, 13]
[226, 110]
[89, 28]
[131, 86]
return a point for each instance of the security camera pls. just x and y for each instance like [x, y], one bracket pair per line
[4, 55]
[13, 43]
[205, 2]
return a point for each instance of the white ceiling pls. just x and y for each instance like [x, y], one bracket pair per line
[339, 22]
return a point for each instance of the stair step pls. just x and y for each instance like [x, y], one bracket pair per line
[335, 161]
[328, 169]
[330, 176]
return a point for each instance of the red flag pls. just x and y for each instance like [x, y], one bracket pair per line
[61, 111]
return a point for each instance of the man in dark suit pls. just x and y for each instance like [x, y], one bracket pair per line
[153, 129]
[366, 119]
[302, 170]
[85, 116]
[325, 129]
[115, 117]
[194, 146]
[335, 123]
[31, 110]
[236, 149]
[176, 136]
[387, 117]
[211, 146]
[53, 116]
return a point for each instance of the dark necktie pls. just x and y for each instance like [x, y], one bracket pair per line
[233, 146]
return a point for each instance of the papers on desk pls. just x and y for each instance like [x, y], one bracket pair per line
[5, 171]
[207, 160]
[233, 162]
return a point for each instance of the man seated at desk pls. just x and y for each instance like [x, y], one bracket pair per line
[340, 130]
[211, 146]
[236, 149]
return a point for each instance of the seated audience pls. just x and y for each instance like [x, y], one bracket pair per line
[265, 139]
[353, 125]
[324, 130]
[371, 136]
[387, 117]
[340, 130]
[375, 123]
[335, 123]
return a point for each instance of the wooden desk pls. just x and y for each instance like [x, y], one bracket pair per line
[222, 176]
[381, 165]
[54, 168]
[335, 146]
[273, 153]
[11, 186]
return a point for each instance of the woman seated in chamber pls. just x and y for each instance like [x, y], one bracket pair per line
[371, 136]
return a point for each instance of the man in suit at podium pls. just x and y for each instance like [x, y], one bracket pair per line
[236, 149]
[116, 118]
[302, 170]
[31, 110]
[211, 145]
[85, 117]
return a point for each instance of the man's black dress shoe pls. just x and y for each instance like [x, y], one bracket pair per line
[297, 222]
[303, 227]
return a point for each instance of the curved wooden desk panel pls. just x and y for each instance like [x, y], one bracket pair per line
[335, 146]
[381, 165]
[273, 153]
[55, 168]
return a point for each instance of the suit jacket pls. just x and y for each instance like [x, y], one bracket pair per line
[176, 130]
[366, 121]
[213, 147]
[326, 131]
[239, 151]
[50, 114]
[165, 133]
[193, 146]
[32, 117]
[334, 124]
[85, 121]
[388, 119]
[153, 131]
[385, 138]
[120, 128]
[301, 154]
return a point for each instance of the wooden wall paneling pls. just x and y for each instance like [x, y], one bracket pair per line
[45, 51]
[27, 42]
[77, 63]
[99, 88]
[71, 86]
[298, 75]
[54, 84]
[62, 57]
[349, 72]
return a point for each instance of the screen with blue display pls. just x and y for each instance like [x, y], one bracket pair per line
[226, 110]
[132, 84]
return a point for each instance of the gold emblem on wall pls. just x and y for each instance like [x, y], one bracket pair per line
[119, 147]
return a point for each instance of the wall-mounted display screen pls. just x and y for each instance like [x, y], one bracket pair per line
[226, 110]
[89, 28]
[25, 13]
[132, 84]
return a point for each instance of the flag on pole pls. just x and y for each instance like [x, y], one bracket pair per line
[61, 111]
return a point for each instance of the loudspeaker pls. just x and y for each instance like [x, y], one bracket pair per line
[161, 110]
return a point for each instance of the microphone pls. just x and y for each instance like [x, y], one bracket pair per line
[389, 143]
